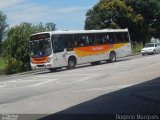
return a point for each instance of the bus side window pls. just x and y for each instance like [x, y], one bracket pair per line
[100, 38]
[118, 38]
[107, 39]
[90, 39]
[58, 44]
[111, 38]
[87, 40]
[79, 40]
[68, 40]
[126, 37]
[82, 40]
[103, 38]
[76, 40]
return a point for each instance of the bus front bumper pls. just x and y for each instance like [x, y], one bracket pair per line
[41, 66]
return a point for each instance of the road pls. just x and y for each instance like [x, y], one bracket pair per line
[48, 93]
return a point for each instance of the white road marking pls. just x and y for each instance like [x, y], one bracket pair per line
[74, 75]
[42, 76]
[3, 84]
[42, 83]
[86, 78]
[12, 81]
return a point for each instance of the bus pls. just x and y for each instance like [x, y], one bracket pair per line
[57, 49]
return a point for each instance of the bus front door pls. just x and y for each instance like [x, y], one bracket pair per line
[59, 59]
[59, 53]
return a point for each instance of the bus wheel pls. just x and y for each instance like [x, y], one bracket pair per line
[52, 69]
[71, 63]
[112, 57]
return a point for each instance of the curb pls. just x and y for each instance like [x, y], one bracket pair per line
[23, 73]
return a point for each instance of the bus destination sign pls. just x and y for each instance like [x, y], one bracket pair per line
[40, 36]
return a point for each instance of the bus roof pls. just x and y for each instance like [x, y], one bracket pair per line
[58, 32]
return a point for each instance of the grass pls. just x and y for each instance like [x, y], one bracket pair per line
[2, 65]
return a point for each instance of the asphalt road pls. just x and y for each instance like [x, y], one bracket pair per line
[43, 92]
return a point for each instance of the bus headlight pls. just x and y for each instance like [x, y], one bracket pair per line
[49, 59]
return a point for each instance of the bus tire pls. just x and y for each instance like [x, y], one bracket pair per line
[112, 57]
[52, 69]
[72, 63]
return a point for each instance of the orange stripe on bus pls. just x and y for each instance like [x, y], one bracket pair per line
[93, 50]
[40, 60]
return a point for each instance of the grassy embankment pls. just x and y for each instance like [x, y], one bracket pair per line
[2, 65]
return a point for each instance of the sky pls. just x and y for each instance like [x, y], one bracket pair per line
[66, 14]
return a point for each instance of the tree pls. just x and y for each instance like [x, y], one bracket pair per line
[16, 47]
[113, 14]
[149, 10]
[107, 12]
[16, 44]
[50, 27]
[3, 26]
[47, 27]
[137, 15]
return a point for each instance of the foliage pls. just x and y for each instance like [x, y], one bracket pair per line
[42, 28]
[13, 66]
[50, 27]
[141, 17]
[16, 45]
[136, 47]
[2, 63]
[150, 11]
[107, 12]
[3, 26]
[16, 49]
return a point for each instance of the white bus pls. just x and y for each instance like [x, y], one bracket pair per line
[57, 49]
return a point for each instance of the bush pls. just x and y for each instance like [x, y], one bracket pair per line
[1, 71]
[2, 63]
[13, 67]
[26, 67]
[136, 47]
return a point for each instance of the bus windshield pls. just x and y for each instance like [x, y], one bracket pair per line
[40, 48]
